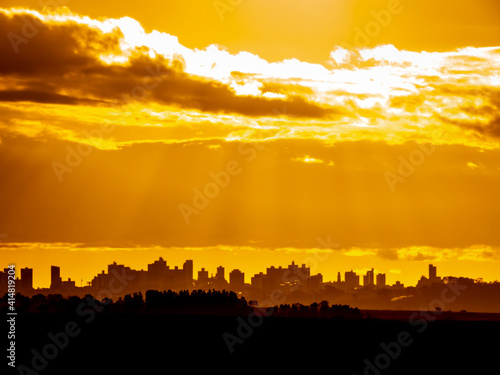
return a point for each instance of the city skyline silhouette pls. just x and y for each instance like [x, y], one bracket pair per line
[295, 283]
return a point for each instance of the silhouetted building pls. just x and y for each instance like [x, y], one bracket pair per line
[157, 272]
[432, 272]
[220, 273]
[381, 280]
[237, 279]
[161, 277]
[55, 277]
[351, 280]
[292, 275]
[68, 284]
[257, 280]
[4, 277]
[188, 273]
[219, 281]
[433, 278]
[398, 285]
[202, 281]
[180, 278]
[26, 282]
[368, 278]
[315, 282]
[203, 275]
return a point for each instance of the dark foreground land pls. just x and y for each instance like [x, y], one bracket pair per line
[145, 343]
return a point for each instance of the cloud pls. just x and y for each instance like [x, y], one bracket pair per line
[358, 252]
[311, 160]
[379, 93]
[72, 54]
[42, 97]
[390, 254]
[473, 165]
[479, 253]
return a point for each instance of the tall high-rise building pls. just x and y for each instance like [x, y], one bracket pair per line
[237, 278]
[257, 280]
[220, 273]
[381, 280]
[432, 272]
[203, 275]
[351, 279]
[26, 281]
[368, 279]
[4, 276]
[203, 279]
[188, 273]
[157, 274]
[55, 277]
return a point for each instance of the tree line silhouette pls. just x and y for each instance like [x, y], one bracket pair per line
[196, 302]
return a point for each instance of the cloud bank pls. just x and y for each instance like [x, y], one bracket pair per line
[111, 68]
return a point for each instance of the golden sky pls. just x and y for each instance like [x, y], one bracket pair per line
[238, 132]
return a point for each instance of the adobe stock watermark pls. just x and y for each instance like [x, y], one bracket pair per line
[407, 165]
[30, 29]
[75, 156]
[87, 310]
[380, 19]
[223, 6]
[218, 180]
[247, 325]
[420, 321]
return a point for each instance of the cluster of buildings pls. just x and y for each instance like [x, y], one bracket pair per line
[120, 279]
[158, 276]
[433, 277]
[351, 280]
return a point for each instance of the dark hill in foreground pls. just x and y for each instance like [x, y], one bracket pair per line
[140, 343]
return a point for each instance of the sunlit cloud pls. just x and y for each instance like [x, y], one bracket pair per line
[480, 254]
[473, 165]
[379, 93]
[311, 160]
[475, 253]
[359, 252]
